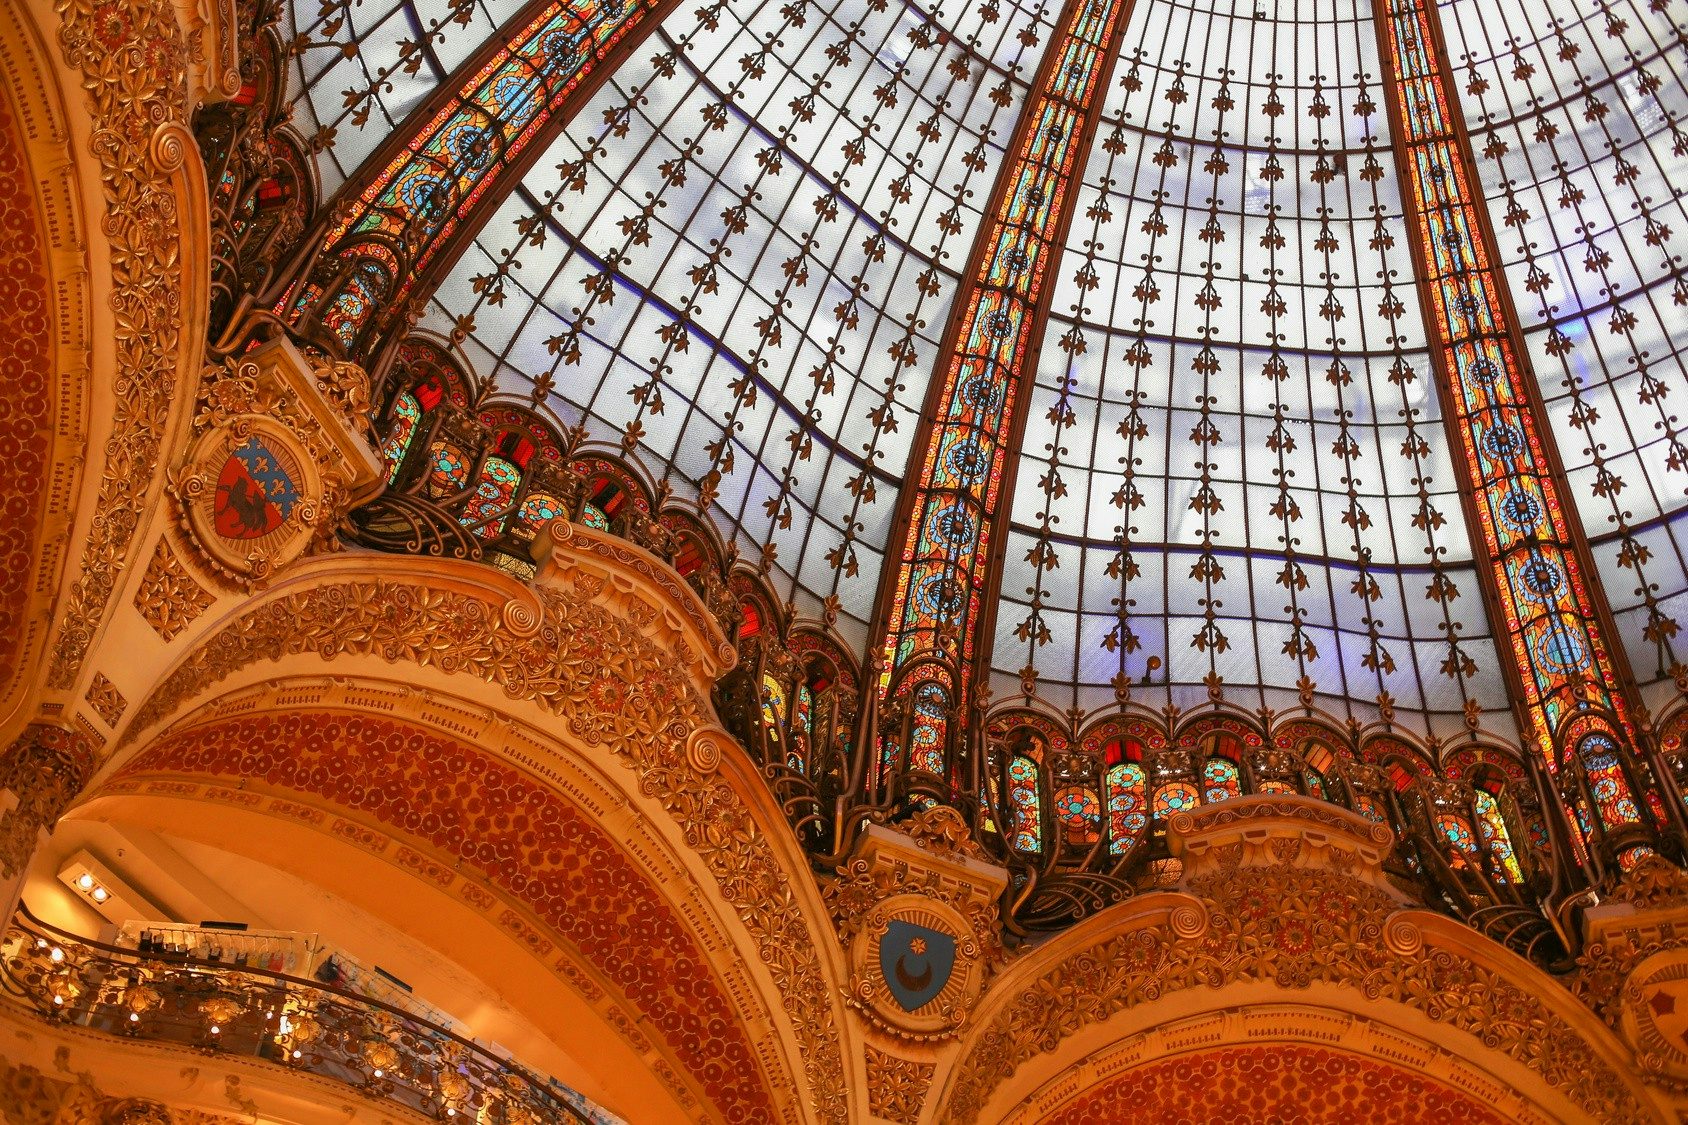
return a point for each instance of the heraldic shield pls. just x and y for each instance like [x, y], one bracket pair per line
[917, 962]
[255, 492]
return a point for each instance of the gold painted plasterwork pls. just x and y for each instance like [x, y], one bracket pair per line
[44, 768]
[896, 1087]
[312, 418]
[1294, 921]
[108, 703]
[613, 688]
[1281, 1029]
[168, 597]
[132, 60]
[52, 397]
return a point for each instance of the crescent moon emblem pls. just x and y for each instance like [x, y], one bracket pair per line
[909, 980]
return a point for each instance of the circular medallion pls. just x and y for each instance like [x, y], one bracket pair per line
[252, 500]
[917, 966]
[1540, 578]
[1655, 1012]
[966, 460]
[1503, 441]
[1519, 510]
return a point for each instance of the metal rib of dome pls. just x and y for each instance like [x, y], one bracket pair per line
[1237, 375]
[740, 260]
[360, 69]
[799, 191]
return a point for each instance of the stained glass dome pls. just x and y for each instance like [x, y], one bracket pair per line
[745, 259]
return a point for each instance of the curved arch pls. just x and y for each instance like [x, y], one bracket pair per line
[532, 848]
[1301, 1062]
[614, 672]
[114, 168]
[1471, 760]
[1292, 734]
[1219, 718]
[1005, 721]
[1395, 749]
[47, 346]
[1308, 921]
[1134, 723]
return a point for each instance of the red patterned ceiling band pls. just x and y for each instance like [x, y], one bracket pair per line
[1570, 682]
[937, 598]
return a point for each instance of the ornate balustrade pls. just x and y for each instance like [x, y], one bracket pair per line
[375, 1048]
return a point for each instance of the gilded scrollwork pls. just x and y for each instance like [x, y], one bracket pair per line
[133, 61]
[896, 1087]
[44, 767]
[944, 832]
[613, 688]
[1294, 926]
[169, 597]
[1657, 890]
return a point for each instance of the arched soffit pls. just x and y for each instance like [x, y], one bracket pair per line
[1285, 936]
[592, 666]
[117, 181]
[46, 334]
[540, 846]
[1289, 1069]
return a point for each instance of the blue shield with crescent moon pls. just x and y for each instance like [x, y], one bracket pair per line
[917, 962]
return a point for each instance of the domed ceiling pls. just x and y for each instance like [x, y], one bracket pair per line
[741, 259]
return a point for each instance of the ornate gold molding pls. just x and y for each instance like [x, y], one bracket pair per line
[44, 768]
[1393, 1064]
[598, 672]
[893, 880]
[46, 342]
[168, 597]
[278, 458]
[1272, 908]
[1633, 969]
[648, 592]
[132, 60]
[896, 1087]
[108, 703]
[213, 48]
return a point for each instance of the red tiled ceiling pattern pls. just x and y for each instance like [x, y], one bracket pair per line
[521, 837]
[1277, 1083]
[25, 406]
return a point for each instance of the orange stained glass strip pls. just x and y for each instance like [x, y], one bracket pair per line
[1562, 665]
[944, 556]
[459, 154]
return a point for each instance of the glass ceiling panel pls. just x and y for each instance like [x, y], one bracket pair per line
[740, 258]
[1235, 381]
[748, 248]
[364, 65]
[1576, 117]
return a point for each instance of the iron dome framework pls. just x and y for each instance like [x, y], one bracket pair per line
[1076, 413]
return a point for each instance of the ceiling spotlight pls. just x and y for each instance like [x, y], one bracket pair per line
[106, 891]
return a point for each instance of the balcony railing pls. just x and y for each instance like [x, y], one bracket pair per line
[382, 1051]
